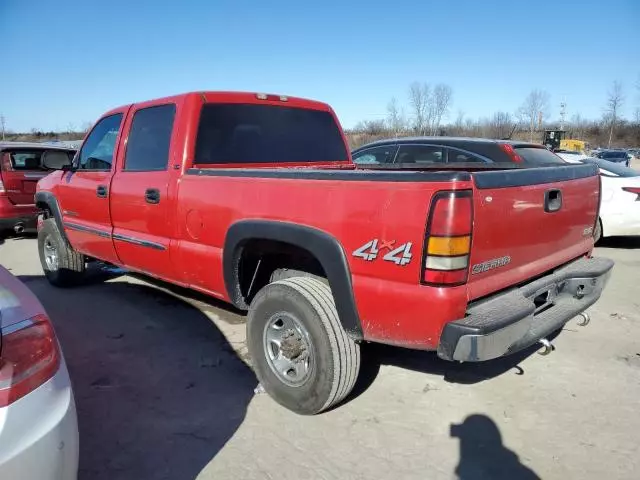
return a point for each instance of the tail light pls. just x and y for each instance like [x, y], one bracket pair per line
[29, 358]
[635, 190]
[508, 149]
[4, 165]
[448, 239]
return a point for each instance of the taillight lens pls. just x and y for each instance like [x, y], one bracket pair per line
[448, 239]
[508, 149]
[29, 358]
[635, 190]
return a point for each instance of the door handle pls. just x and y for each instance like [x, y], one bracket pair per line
[552, 200]
[152, 195]
[101, 191]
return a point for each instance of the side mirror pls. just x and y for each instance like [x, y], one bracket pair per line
[56, 160]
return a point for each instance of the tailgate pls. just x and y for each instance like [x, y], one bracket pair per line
[530, 221]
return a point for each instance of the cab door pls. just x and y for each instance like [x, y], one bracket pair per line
[142, 207]
[83, 193]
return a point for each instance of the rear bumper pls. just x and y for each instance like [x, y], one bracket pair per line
[516, 319]
[12, 215]
[39, 433]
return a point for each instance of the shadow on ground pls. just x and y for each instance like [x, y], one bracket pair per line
[159, 390]
[620, 242]
[376, 355]
[483, 456]
[373, 355]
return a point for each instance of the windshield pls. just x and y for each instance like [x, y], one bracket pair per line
[614, 168]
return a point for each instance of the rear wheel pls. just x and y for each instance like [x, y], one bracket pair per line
[62, 265]
[300, 352]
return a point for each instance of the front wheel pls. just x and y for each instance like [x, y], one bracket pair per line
[300, 352]
[62, 265]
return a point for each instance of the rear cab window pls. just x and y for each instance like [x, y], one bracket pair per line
[31, 159]
[538, 156]
[270, 134]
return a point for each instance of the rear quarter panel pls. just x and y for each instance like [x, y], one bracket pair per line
[392, 305]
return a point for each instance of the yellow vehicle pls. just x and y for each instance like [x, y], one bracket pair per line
[574, 145]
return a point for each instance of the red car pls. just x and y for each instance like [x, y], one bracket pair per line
[254, 199]
[21, 166]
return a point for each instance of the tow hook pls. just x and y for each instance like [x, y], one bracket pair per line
[547, 347]
[585, 319]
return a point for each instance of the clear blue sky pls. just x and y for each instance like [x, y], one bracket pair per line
[65, 62]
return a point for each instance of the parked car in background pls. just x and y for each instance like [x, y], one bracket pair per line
[21, 166]
[431, 151]
[38, 425]
[620, 197]
[634, 153]
[615, 156]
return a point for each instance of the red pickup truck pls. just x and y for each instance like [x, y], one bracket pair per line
[254, 199]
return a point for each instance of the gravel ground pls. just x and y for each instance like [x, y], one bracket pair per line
[164, 392]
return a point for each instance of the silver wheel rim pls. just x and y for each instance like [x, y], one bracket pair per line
[50, 254]
[287, 348]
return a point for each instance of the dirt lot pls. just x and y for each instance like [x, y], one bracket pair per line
[163, 391]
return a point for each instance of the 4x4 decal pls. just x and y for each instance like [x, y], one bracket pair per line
[400, 255]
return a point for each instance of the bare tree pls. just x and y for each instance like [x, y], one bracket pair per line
[2, 125]
[419, 99]
[395, 117]
[533, 110]
[501, 125]
[85, 127]
[371, 127]
[440, 103]
[614, 104]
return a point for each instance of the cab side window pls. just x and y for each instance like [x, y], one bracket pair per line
[424, 154]
[457, 156]
[98, 149]
[149, 139]
[376, 155]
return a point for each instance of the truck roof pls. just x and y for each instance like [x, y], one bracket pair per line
[49, 146]
[450, 141]
[213, 96]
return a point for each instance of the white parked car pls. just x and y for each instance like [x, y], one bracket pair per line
[620, 203]
[38, 424]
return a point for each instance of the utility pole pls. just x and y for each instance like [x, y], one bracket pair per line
[563, 113]
[2, 125]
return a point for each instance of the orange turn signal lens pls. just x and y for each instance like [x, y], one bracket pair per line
[449, 246]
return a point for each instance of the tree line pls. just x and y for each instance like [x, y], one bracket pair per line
[428, 112]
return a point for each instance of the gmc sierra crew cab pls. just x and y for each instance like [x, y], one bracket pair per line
[254, 199]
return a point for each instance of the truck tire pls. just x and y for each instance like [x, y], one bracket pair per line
[301, 354]
[62, 265]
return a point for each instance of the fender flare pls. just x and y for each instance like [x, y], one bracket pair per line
[324, 247]
[47, 200]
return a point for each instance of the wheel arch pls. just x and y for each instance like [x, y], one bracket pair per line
[322, 246]
[46, 201]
